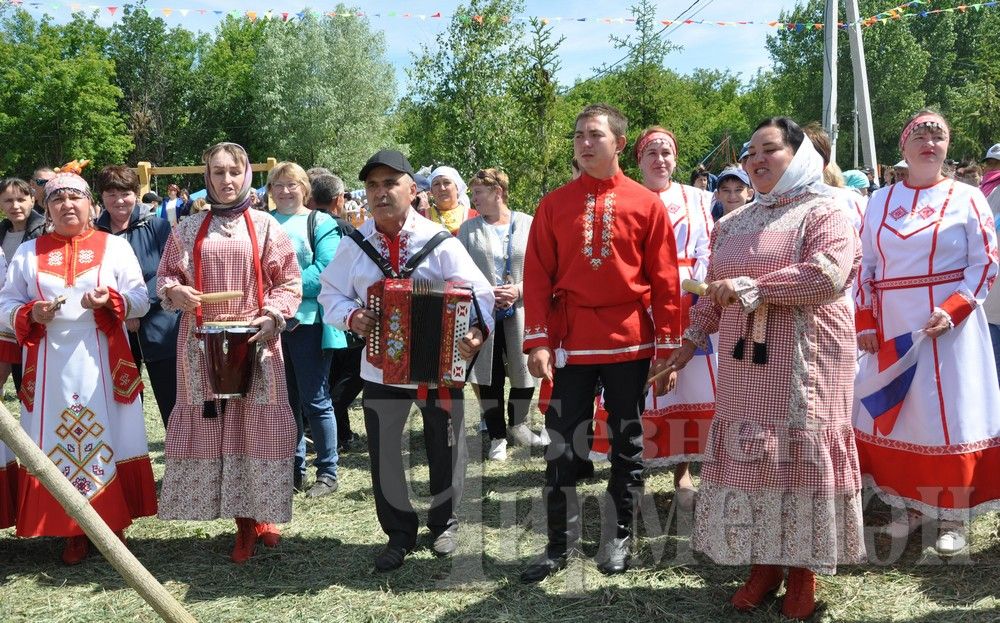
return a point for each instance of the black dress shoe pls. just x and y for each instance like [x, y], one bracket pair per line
[616, 556]
[390, 558]
[543, 568]
[446, 543]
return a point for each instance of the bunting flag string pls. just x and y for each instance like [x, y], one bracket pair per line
[907, 10]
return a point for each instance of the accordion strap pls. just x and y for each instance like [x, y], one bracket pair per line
[385, 266]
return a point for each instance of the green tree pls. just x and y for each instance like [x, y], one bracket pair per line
[57, 97]
[223, 91]
[643, 77]
[539, 101]
[325, 92]
[463, 91]
[154, 69]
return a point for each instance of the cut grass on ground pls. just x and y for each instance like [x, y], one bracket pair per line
[322, 571]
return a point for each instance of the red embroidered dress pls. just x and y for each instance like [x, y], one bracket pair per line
[927, 248]
[600, 253]
[780, 482]
[238, 464]
[80, 390]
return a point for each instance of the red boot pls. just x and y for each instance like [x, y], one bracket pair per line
[76, 549]
[246, 540]
[800, 596]
[764, 580]
[268, 533]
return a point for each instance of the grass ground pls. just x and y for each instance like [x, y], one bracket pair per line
[322, 571]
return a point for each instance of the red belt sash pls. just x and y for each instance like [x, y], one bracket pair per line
[919, 281]
[686, 262]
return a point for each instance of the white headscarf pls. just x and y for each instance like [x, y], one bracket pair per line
[452, 174]
[804, 174]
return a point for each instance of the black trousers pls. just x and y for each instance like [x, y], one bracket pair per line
[386, 411]
[491, 396]
[567, 420]
[162, 376]
[345, 385]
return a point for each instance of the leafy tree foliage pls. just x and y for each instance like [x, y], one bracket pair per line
[57, 98]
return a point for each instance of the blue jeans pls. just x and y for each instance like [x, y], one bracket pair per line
[307, 372]
[995, 339]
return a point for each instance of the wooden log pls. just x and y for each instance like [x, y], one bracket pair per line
[78, 507]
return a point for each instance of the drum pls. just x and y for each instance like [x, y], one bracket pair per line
[229, 357]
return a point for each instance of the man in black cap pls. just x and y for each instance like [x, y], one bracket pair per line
[397, 233]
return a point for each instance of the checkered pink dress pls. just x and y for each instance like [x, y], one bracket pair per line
[240, 463]
[780, 483]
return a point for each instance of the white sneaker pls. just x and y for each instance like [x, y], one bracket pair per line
[498, 450]
[523, 436]
[543, 437]
[952, 539]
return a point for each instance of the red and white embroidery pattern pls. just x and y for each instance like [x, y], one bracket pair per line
[607, 229]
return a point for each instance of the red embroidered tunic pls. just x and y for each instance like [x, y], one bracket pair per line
[600, 273]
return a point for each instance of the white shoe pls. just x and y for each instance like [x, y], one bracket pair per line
[543, 437]
[952, 539]
[523, 436]
[498, 450]
[903, 527]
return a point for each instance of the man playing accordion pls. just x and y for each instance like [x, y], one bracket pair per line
[398, 244]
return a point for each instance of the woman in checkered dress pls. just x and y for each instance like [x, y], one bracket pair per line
[780, 486]
[231, 458]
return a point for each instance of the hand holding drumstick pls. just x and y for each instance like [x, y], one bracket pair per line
[43, 312]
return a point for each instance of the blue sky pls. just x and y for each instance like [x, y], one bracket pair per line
[587, 45]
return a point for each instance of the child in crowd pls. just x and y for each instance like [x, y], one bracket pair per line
[733, 191]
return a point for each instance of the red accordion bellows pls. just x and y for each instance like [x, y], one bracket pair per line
[421, 324]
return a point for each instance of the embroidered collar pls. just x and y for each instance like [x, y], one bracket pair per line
[596, 186]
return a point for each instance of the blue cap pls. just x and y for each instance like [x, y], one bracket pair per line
[856, 179]
[744, 152]
[736, 172]
[422, 181]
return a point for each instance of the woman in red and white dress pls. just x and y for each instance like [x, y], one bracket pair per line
[232, 458]
[80, 390]
[930, 258]
[675, 425]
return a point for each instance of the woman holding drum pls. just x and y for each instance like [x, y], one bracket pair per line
[67, 298]
[229, 448]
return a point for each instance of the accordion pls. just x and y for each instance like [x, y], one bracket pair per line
[420, 326]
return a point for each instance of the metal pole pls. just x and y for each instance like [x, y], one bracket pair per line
[830, 75]
[861, 97]
[854, 116]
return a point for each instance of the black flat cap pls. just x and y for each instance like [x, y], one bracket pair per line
[389, 158]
